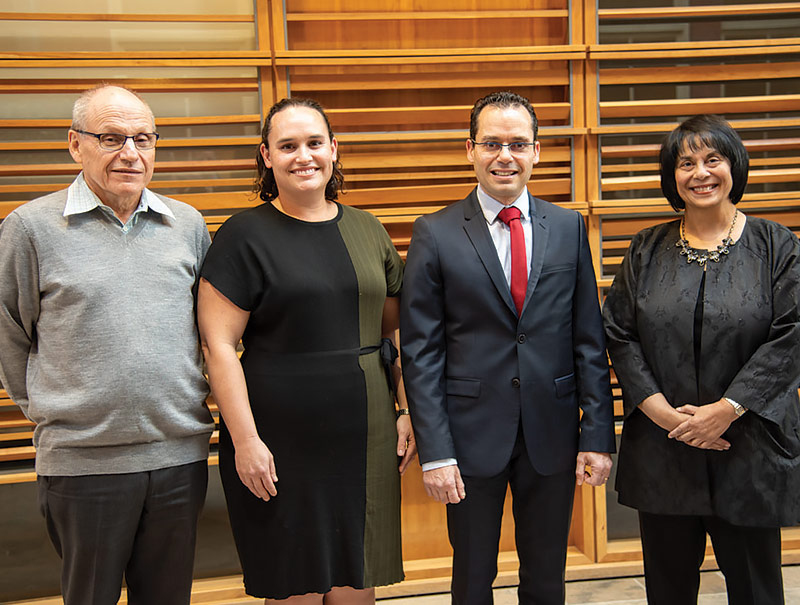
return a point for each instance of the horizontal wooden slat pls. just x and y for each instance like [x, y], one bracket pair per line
[669, 107]
[127, 17]
[163, 121]
[651, 150]
[60, 86]
[698, 11]
[427, 115]
[427, 60]
[627, 183]
[679, 53]
[11, 454]
[654, 166]
[663, 127]
[423, 53]
[698, 73]
[427, 15]
[19, 436]
[13, 421]
[433, 80]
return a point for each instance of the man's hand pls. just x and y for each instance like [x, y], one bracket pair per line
[256, 467]
[705, 425]
[593, 468]
[445, 484]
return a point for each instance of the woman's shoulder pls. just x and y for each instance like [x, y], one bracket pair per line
[765, 228]
[362, 217]
[364, 222]
[247, 220]
[656, 238]
[769, 239]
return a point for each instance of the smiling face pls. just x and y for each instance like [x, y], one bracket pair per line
[116, 177]
[503, 175]
[300, 152]
[703, 177]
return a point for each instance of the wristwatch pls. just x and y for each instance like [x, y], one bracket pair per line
[738, 408]
[403, 412]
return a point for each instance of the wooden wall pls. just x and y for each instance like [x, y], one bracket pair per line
[398, 77]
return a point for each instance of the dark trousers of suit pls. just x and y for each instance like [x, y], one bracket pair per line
[674, 547]
[140, 525]
[542, 507]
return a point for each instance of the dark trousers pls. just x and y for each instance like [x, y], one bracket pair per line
[542, 507]
[140, 525]
[674, 547]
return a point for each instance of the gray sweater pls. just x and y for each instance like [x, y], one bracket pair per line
[98, 341]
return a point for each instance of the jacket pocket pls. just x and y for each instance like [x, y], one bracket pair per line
[464, 387]
[565, 385]
[559, 267]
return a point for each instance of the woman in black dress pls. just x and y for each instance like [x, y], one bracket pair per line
[702, 329]
[310, 287]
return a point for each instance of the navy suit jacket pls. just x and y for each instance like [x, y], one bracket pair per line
[472, 369]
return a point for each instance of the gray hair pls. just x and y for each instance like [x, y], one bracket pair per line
[80, 109]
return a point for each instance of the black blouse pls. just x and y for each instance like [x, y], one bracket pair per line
[749, 351]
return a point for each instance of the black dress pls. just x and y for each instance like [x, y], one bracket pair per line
[749, 351]
[315, 293]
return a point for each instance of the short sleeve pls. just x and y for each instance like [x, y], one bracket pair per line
[232, 265]
[393, 265]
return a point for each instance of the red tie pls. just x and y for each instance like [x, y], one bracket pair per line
[519, 258]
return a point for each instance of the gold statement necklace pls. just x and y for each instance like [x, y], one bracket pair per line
[702, 256]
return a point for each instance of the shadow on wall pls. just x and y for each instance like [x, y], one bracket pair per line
[30, 568]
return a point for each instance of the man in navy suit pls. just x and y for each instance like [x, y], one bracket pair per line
[499, 359]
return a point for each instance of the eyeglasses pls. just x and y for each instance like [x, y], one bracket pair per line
[111, 141]
[493, 147]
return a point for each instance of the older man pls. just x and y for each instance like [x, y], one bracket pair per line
[98, 347]
[502, 348]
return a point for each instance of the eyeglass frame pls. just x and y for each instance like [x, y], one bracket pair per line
[502, 145]
[118, 134]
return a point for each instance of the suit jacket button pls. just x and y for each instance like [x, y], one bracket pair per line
[515, 383]
[521, 338]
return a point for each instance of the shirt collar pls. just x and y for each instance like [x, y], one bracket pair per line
[81, 199]
[491, 207]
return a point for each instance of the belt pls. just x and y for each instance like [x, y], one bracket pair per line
[388, 353]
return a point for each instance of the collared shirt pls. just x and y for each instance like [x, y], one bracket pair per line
[81, 199]
[501, 237]
[501, 233]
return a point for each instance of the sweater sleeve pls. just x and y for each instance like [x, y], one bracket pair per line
[19, 306]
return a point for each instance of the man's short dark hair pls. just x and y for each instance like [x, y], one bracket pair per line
[703, 130]
[501, 99]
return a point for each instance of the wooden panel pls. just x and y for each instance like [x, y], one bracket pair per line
[398, 83]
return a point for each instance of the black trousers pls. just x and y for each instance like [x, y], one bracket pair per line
[140, 525]
[542, 507]
[674, 547]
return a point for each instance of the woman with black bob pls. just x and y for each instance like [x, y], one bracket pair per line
[311, 288]
[702, 329]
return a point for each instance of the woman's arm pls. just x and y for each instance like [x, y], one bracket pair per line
[221, 325]
[406, 446]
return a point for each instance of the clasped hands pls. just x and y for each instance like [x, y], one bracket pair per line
[703, 426]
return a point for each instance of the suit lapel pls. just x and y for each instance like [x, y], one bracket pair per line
[541, 232]
[478, 234]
